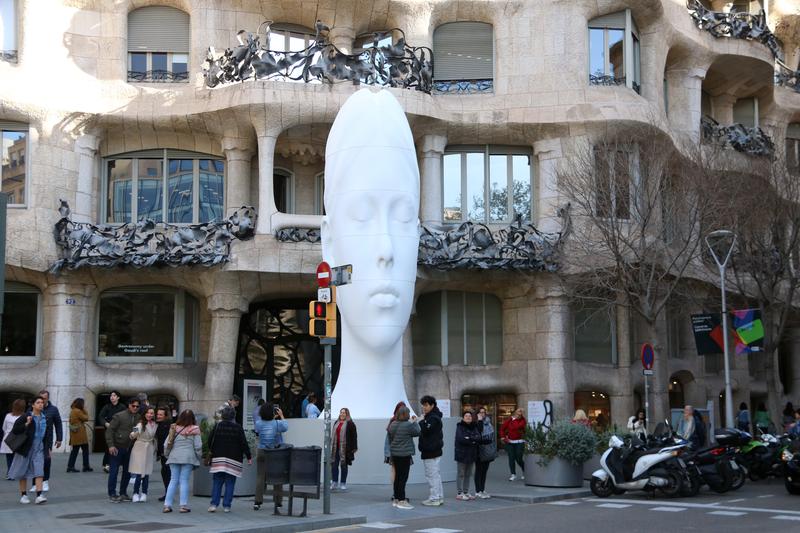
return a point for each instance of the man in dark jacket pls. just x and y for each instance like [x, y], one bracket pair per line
[118, 439]
[431, 442]
[104, 419]
[53, 420]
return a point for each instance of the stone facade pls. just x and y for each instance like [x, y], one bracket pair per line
[69, 85]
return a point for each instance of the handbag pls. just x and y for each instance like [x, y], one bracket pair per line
[16, 441]
[171, 440]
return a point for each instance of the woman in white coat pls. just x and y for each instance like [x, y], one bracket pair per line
[143, 454]
[17, 410]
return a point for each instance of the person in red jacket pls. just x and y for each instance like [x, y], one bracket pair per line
[513, 434]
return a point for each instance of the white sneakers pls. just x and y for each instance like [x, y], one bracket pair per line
[212, 509]
[45, 487]
[142, 498]
[40, 499]
[512, 477]
[403, 504]
[342, 486]
[483, 495]
[25, 499]
[461, 496]
[334, 485]
[432, 503]
[522, 477]
[135, 498]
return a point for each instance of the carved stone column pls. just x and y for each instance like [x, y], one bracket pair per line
[546, 195]
[85, 208]
[226, 312]
[266, 193]
[66, 342]
[431, 179]
[685, 97]
[238, 155]
[342, 38]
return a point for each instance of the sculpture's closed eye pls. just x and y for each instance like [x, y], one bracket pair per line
[402, 210]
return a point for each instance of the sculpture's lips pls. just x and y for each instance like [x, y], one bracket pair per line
[384, 296]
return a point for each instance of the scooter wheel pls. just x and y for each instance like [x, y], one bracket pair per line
[674, 483]
[602, 488]
[738, 479]
[791, 488]
[691, 485]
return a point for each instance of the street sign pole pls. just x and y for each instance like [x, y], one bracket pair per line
[326, 478]
[3, 203]
[646, 402]
[648, 360]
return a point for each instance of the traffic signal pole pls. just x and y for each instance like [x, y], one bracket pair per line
[326, 478]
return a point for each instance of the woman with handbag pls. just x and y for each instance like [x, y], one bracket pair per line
[142, 454]
[17, 408]
[487, 452]
[78, 417]
[227, 446]
[27, 441]
[183, 449]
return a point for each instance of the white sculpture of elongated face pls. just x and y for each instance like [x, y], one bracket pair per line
[371, 222]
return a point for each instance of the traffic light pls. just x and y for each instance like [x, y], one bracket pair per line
[322, 319]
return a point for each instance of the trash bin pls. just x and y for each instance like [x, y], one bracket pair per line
[305, 472]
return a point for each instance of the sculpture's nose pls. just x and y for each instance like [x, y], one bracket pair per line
[385, 250]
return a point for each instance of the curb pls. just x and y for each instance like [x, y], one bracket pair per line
[544, 499]
[304, 525]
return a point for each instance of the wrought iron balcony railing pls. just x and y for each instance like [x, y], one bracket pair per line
[147, 243]
[786, 77]
[463, 86]
[612, 81]
[392, 65]
[736, 25]
[751, 141]
[157, 76]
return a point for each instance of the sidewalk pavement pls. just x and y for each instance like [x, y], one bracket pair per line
[77, 503]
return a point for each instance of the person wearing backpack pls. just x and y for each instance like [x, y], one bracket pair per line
[487, 452]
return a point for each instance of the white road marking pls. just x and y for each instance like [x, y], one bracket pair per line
[381, 525]
[668, 509]
[614, 505]
[785, 512]
[564, 502]
[737, 500]
[784, 517]
[726, 513]
[766, 496]
[437, 530]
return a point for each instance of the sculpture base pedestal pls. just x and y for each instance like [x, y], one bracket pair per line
[368, 467]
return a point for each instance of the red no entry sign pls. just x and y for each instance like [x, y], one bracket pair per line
[324, 275]
[648, 356]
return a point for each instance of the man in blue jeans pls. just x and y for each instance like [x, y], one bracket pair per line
[118, 439]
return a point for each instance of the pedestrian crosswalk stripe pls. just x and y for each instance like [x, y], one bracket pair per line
[564, 502]
[690, 505]
[614, 505]
[786, 517]
[668, 509]
[766, 496]
[727, 513]
[437, 530]
[381, 525]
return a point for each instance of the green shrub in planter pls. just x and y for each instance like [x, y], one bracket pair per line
[574, 443]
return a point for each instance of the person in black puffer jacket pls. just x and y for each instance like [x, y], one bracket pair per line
[431, 442]
[228, 446]
[468, 438]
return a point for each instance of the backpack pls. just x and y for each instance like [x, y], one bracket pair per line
[700, 429]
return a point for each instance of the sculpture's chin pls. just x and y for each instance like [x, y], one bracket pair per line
[377, 339]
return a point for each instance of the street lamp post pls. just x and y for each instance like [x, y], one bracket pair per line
[715, 241]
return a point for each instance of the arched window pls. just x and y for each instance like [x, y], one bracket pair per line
[458, 328]
[793, 148]
[8, 30]
[137, 183]
[615, 51]
[596, 405]
[22, 321]
[158, 44]
[463, 57]
[283, 189]
[147, 323]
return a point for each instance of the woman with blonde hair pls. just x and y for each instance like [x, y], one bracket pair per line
[344, 446]
[581, 418]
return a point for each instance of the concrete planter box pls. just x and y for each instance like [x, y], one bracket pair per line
[245, 485]
[590, 466]
[557, 473]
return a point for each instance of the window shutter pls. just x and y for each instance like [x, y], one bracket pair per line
[158, 29]
[614, 20]
[463, 51]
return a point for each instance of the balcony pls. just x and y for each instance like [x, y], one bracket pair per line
[381, 63]
[734, 25]
[157, 76]
[750, 141]
[786, 77]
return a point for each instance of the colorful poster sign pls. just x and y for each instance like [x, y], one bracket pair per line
[747, 332]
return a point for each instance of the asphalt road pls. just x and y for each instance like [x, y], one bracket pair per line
[762, 506]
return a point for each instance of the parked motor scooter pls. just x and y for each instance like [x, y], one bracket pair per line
[715, 465]
[791, 466]
[634, 467]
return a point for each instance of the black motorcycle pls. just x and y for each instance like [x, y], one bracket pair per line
[715, 465]
[791, 466]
